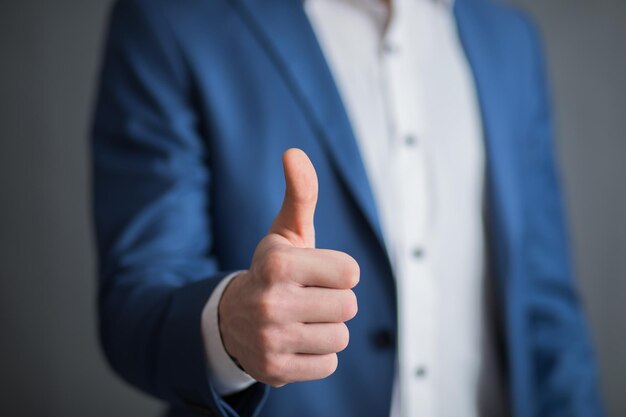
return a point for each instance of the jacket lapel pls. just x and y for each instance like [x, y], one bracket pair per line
[284, 30]
[493, 94]
[504, 217]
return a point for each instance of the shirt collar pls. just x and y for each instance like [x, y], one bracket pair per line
[447, 3]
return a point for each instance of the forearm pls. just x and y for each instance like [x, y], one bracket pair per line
[560, 344]
[152, 336]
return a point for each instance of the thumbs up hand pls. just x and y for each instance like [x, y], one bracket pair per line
[283, 319]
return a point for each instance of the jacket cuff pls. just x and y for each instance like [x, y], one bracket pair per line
[182, 375]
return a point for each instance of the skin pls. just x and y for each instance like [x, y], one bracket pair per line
[284, 319]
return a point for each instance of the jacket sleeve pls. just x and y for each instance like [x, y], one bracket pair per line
[562, 358]
[151, 183]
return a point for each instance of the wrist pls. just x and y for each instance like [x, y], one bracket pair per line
[222, 311]
[224, 374]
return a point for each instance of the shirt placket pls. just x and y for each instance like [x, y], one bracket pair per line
[416, 291]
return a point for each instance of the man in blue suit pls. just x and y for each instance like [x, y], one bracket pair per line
[221, 297]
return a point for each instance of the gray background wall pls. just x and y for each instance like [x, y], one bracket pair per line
[50, 364]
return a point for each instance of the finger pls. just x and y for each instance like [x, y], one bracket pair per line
[324, 268]
[323, 305]
[295, 219]
[321, 338]
[305, 367]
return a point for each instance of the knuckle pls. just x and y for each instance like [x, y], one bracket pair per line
[275, 265]
[266, 367]
[272, 368]
[266, 307]
[267, 341]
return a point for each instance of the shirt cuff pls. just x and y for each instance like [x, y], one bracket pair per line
[226, 377]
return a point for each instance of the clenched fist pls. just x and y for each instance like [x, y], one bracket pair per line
[283, 319]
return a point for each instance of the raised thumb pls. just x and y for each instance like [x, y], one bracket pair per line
[295, 219]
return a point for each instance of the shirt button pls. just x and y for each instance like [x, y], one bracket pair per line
[418, 253]
[410, 140]
[389, 48]
[420, 372]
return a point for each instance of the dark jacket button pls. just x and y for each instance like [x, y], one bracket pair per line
[383, 339]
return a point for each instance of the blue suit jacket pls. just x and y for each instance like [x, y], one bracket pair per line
[198, 100]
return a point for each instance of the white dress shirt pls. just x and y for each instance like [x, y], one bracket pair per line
[406, 85]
